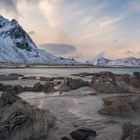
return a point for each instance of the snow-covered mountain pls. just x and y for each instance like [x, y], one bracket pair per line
[131, 61]
[101, 61]
[17, 46]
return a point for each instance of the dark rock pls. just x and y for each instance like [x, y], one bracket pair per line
[83, 134]
[72, 84]
[65, 138]
[29, 78]
[46, 79]
[12, 89]
[12, 76]
[135, 82]
[38, 87]
[20, 121]
[47, 87]
[131, 132]
[7, 99]
[106, 82]
[137, 74]
[15, 75]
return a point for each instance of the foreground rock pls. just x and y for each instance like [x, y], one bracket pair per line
[11, 76]
[72, 84]
[81, 134]
[21, 121]
[131, 132]
[106, 82]
[135, 80]
[121, 105]
[11, 89]
[47, 87]
[38, 87]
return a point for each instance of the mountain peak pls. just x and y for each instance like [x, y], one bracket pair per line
[17, 46]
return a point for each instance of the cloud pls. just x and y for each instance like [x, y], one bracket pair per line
[59, 49]
[108, 28]
[9, 5]
[12, 5]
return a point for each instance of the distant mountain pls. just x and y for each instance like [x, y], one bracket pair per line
[99, 61]
[16, 46]
[131, 61]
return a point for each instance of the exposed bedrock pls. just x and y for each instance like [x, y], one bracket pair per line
[11, 76]
[38, 87]
[81, 134]
[72, 84]
[130, 132]
[21, 121]
[47, 87]
[121, 105]
[106, 82]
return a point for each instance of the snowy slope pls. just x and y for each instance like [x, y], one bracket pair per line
[99, 61]
[17, 46]
[131, 61]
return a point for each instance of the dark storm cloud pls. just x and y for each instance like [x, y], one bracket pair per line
[58, 49]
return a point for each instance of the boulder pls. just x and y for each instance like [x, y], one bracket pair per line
[29, 78]
[21, 121]
[11, 76]
[72, 84]
[81, 134]
[130, 132]
[12, 89]
[106, 82]
[137, 75]
[47, 87]
[121, 105]
[15, 75]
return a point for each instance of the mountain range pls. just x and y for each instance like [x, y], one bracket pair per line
[101, 61]
[16, 46]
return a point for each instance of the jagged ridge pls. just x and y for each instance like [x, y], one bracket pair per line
[17, 46]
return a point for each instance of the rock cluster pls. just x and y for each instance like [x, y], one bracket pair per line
[106, 82]
[130, 132]
[11, 76]
[21, 121]
[121, 105]
[38, 87]
[72, 84]
[47, 87]
[81, 134]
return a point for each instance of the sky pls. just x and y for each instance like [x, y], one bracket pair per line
[90, 28]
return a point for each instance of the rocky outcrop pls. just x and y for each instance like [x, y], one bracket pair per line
[121, 105]
[81, 134]
[72, 84]
[107, 83]
[135, 80]
[38, 87]
[130, 132]
[47, 87]
[11, 76]
[11, 89]
[21, 121]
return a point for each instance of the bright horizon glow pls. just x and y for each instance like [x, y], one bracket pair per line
[108, 28]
